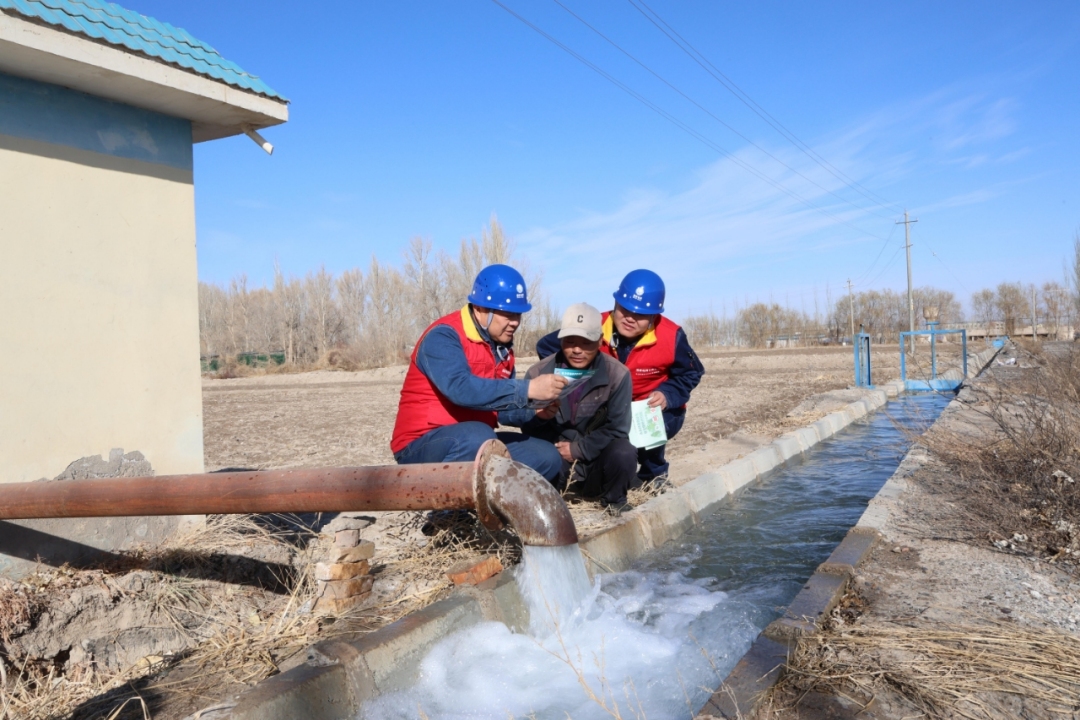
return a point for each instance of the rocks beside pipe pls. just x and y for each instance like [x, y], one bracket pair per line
[343, 576]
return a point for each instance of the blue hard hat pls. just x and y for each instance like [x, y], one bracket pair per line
[500, 287]
[642, 292]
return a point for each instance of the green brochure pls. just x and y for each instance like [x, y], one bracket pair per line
[646, 426]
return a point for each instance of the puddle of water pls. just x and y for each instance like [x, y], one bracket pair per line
[652, 642]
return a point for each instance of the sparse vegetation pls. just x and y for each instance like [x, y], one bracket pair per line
[1015, 475]
[357, 319]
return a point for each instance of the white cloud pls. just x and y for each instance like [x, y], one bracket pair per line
[733, 235]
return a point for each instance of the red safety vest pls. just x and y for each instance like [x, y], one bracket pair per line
[650, 360]
[423, 408]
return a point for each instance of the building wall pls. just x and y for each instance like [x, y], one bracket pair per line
[99, 337]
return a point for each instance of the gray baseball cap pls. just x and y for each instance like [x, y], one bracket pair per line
[581, 320]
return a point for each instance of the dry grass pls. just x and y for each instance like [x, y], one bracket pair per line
[421, 562]
[230, 644]
[978, 672]
[1012, 476]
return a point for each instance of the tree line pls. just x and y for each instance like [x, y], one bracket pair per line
[362, 317]
[371, 318]
[883, 314]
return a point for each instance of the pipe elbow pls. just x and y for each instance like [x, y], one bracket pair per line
[512, 493]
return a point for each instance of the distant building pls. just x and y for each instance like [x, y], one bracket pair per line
[99, 108]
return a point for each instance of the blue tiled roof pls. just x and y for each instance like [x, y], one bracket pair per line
[115, 25]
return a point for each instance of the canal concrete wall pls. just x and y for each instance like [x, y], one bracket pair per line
[759, 669]
[338, 677]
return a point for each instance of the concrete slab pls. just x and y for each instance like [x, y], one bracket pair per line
[756, 672]
[304, 692]
[617, 547]
[765, 460]
[788, 446]
[818, 596]
[667, 517]
[739, 474]
[808, 437]
[705, 493]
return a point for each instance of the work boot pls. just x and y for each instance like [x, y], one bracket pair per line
[656, 484]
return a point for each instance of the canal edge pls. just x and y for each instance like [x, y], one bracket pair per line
[760, 667]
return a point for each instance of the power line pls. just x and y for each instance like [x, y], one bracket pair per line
[707, 111]
[761, 112]
[870, 269]
[888, 266]
[679, 123]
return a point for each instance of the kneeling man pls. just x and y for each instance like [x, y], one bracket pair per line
[461, 377]
[590, 421]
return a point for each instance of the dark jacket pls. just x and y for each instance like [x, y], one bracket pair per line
[592, 414]
[684, 374]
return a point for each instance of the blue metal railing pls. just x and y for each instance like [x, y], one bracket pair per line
[862, 360]
[935, 382]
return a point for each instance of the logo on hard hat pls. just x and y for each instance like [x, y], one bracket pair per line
[639, 292]
[521, 290]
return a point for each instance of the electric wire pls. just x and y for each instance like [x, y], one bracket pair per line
[761, 112]
[859, 278]
[679, 123]
[708, 112]
[887, 268]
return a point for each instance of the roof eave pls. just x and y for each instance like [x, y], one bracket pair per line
[215, 109]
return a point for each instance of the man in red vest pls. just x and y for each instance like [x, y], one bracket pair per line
[461, 375]
[663, 367]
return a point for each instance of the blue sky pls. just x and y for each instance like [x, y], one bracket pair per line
[422, 119]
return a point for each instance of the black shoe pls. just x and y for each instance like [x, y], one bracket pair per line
[616, 509]
[653, 484]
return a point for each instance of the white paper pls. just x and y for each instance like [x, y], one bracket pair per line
[646, 425]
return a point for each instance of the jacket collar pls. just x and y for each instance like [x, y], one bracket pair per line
[469, 323]
[649, 338]
[475, 334]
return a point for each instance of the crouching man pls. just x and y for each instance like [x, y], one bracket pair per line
[590, 422]
[461, 375]
[664, 369]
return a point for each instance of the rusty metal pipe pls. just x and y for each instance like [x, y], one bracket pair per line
[493, 484]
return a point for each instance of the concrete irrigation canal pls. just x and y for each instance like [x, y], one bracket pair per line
[654, 640]
[680, 593]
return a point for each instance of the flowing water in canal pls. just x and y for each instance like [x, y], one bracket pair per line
[654, 641]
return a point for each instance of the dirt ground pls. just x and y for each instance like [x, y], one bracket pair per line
[952, 616]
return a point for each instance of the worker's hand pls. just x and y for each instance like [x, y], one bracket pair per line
[546, 387]
[548, 411]
[564, 450]
[658, 399]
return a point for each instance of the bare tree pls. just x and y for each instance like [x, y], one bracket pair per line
[1010, 302]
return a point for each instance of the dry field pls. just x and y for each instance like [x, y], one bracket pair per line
[345, 418]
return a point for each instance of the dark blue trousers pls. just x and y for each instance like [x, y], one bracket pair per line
[461, 441]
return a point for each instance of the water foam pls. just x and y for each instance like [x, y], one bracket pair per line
[643, 644]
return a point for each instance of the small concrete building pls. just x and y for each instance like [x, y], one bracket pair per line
[99, 336]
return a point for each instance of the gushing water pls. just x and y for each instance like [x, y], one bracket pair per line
[623, 647]
[653, 642]
[555, 587]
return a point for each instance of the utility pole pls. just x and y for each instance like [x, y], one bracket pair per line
[851, 309]
[910, 297]
[1034, 319]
